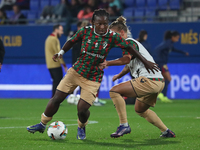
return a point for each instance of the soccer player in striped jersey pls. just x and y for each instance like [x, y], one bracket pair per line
[97, 40]
[145, 87]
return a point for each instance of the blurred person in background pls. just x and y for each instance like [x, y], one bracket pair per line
[74, 8]
[161, 54]
[142, 38]
[113, 12]
[7, 4]
[18, 17]
[118, 4]
[3, 17]
[2, 53]
[103, 4]
[85, 13]
[52, 46]
[54, 13]
[23, 4]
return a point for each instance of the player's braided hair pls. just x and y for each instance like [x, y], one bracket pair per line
[100, 12]
[120, 24]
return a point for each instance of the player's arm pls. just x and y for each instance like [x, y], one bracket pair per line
[122, 73]
[120, 61]
[69, 44]
[180, 51]
[148, 64]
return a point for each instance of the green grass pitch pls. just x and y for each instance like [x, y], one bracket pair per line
[181, 116]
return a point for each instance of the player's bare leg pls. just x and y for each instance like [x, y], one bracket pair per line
[143, 110]
[163, 96]
[83, 115]
[51, 109]
[116, 93]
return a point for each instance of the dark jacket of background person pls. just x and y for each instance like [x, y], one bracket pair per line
[161, 52]
[2, 52]
[3, 17]
[142, 38]
[18, 17]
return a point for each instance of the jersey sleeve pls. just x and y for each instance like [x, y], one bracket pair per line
[119, 41]
[133, 44]
[78, 35]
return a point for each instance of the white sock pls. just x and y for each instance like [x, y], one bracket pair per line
[43, 124]
[124, 124]
[165, 132]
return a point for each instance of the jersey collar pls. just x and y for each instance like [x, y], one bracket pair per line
[98, 34]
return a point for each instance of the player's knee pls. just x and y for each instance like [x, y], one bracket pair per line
[113, 94]
[141, 114]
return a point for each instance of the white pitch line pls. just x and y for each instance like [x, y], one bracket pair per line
[89, 122]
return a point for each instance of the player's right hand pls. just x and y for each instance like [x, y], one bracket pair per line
[55, 57]
[115, 77]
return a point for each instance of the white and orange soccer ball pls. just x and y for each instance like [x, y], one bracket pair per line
[57, 130]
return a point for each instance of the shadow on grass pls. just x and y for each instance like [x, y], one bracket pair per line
[131, 143]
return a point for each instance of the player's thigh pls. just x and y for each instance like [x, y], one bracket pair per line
[141, 106]
[89, 90]
[69, 82]
[125, 89]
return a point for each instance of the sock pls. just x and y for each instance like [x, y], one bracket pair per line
[45, 119]
[124, 124]
[81, 125]
[76, 90]
[120, 106]
[165, 132]
[165, 87]
[152, 118]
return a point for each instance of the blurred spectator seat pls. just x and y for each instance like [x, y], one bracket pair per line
[34, 5]
[9, 13]
[44, 3]
[54, 2]
[31, 16]
[129, 3]
[129, 13]
[150, 14]
[174, 4]
[140, 3]
[152, 4]
[139, 14]
[162, 4]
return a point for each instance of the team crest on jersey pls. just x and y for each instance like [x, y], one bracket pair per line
[105, 44]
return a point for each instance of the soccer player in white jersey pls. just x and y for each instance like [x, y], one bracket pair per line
[146, 86]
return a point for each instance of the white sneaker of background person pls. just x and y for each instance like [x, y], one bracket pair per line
[97, 103]
[71, 99]
[76, 99]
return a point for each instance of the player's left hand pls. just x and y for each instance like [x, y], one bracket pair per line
[151, 66]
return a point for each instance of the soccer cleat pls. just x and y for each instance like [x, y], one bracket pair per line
[168, 134]
[121, 130]
[166, 100]
[81, 134]
[38, 127]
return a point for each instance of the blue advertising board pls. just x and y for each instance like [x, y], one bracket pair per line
[34, 81]
[25, 44]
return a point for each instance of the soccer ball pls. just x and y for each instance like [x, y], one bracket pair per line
[57, 130]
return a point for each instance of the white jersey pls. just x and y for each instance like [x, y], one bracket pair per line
[137, 68]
